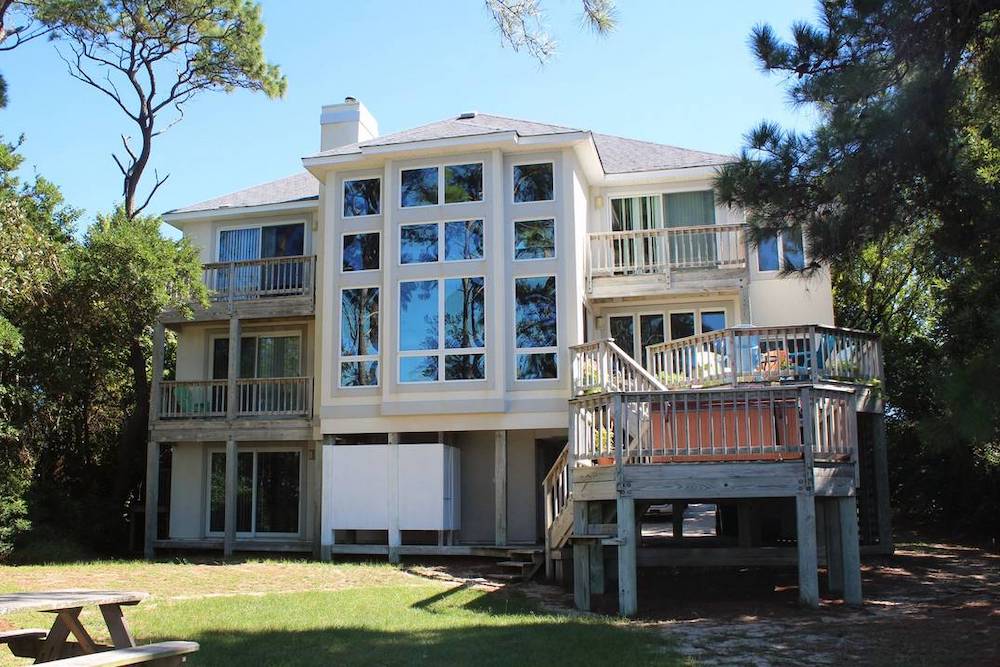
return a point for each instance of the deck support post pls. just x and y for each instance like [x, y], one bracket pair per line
[392, 507]
[327, 536]
[677, 509]
[847, 508]
[500, 487]
[232, 453]
[595, 515]
[628, 601]
[581, 558]
[316, 493]
[152, 513]
[805, 537]
[834, 548]
[233, 372]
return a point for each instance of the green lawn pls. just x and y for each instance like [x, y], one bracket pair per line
[297, 613]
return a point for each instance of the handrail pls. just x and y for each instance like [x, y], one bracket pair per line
[557, 493]
[247, 279]
[746, 355]
[758, 424]
[256, 397]
[664, 249]
[601, 366]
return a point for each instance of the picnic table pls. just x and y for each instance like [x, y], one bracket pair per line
[54, 645]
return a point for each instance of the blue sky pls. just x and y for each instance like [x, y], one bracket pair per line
[675, 73]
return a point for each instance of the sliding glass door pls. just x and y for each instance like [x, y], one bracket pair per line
[268, 489]
[266, 242]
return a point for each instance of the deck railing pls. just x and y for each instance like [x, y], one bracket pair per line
[742, 355]
[602, 366]
[659, 251]
[770, 423]
[257, 397]
[260, 278]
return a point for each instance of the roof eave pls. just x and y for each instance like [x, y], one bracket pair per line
[178, 219]
[318, 164]
[659, 175]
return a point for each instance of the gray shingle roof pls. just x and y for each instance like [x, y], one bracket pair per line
[624, 156]
[299, 187]
[617, 154]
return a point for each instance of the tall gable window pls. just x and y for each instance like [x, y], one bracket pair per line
[422, 186]
[442, 329]
[533, 182]
[360, 252]
[535, 333]
[454, 241]
[362, 197]
[359, 337]
[534, 239]
[788, 254]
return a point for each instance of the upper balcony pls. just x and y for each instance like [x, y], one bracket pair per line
[663, 260]
[254, 288]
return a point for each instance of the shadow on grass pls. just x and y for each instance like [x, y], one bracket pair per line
[455, 626]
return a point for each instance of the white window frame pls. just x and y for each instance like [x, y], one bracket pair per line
[284, 333]
[381, 197]
[344, 235]
[260, 237]
[549, 349]
[535, 218]
[440, 166]
[253, 493]
[513, 183]
[780, 241]
[441, 245]
[441, 351]
[637, 323]
[358, 358]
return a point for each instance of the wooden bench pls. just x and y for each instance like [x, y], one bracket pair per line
[23, 643]
[161, 654]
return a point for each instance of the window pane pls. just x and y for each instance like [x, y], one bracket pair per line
[220, 359]
[713, 320]
[463, 182]
[623, 331]
[690, 209]
[536, 312]
[277, 492]
[533, 182]
[244, 489]
[361, 252]
[248, 357]
[767, 253]
[419, 187]
[418, 369]
[650, 333]
[418, 315]
[632, 214]
[791, 249]
[464, 313]
[681, 325]
[278, 356]
[465, 367]
[359, 322]
[282, 240]
[534, 239]
[358, 373]
[362, 197]
[463, 240]
[537, 366]
[418, 244]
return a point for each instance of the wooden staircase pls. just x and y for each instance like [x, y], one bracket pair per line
[558, 500]
[521, 565]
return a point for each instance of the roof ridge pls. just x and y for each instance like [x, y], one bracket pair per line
[656, 143]
[535, 122]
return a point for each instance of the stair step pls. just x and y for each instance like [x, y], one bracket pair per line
[507, 576]
[515, 563]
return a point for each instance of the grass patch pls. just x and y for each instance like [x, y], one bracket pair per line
[356, 615]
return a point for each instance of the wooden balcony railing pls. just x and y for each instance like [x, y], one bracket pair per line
[602, 366]
[260, 278]
[557, 492]
[745, 355]
[659, 251]
[762, 424]
[257, 397]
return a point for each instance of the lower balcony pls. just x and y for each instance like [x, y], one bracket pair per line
[279, 397]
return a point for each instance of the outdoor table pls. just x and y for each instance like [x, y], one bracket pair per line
[67, 605]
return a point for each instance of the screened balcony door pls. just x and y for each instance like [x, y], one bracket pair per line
[261, 357]
[268, 488]
[691, 209]
[255, 243]
[637, 253]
